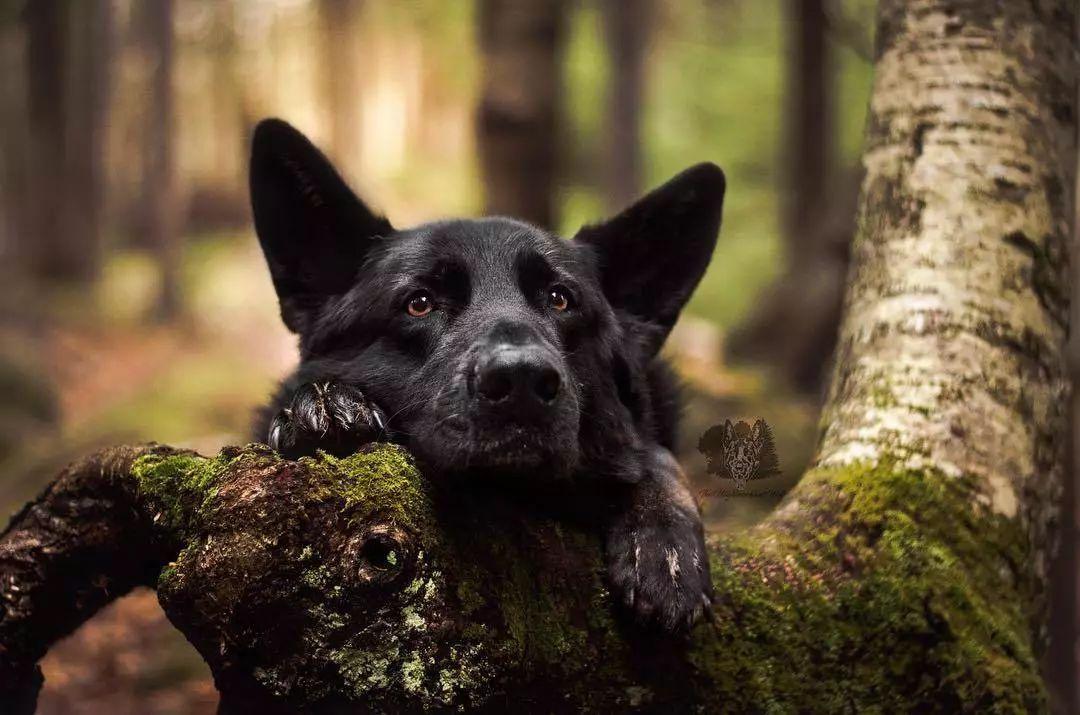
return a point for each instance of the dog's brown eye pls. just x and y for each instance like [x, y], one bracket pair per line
[559, 298]
[420, 304]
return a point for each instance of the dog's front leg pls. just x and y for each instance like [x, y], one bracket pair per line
[655, 547]
[330, 415]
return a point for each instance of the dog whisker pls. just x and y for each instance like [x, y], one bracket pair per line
[407, 407]
[444, 419]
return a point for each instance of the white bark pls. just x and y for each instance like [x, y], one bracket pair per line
[957, 309]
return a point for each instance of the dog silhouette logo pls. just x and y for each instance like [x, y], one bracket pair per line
[740, 451]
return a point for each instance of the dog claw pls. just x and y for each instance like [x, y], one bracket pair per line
[274, 438]
[331, 416]
[657, 561]
[706, 609]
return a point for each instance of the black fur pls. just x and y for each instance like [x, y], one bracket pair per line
[500, 377]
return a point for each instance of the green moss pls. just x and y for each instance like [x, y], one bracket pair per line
[380, 479]
[899, 594]
[469, 597]
[412, 674]
[167, 573]
[555, 624]
[180, 486]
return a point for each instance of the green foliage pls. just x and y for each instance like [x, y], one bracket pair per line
[715, 93]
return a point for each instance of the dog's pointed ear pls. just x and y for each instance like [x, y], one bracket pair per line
[313, 229]
[652, 255]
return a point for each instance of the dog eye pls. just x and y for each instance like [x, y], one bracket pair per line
[558, 298]
[420, 304]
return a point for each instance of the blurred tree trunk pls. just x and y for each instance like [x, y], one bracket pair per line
[89, 87]
[215, 198]
[627, 26]
[15, 208]
[518, 117]
[795, 325]
[160, 181]
[1062, 659]
[810, 130]
[340, 70]
[47, 44]
[69, 54]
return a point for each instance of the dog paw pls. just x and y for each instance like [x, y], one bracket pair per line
[331, 416]
[658, 565]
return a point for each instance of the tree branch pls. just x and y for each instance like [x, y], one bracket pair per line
[329, 583]
[84, 542]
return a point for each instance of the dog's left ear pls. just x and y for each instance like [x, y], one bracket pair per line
[652, 255]
[313, 229]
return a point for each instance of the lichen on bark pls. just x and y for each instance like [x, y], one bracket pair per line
[328, 582]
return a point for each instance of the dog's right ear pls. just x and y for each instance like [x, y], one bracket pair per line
[652, 255]
[313, 229]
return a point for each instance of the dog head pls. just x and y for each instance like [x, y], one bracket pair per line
[491, 345]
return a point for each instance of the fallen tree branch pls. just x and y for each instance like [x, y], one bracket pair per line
[333, 583]
[81, 544]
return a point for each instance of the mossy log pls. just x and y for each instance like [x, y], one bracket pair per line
[333, 584]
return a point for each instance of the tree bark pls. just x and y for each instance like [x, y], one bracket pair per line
[517, 120]
[905, 572]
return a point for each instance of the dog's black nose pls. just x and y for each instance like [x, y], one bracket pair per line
[518, 377]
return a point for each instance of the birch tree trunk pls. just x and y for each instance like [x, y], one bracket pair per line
[905, 572]
[950, 354]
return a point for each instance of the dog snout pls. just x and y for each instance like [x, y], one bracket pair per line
[518, 377]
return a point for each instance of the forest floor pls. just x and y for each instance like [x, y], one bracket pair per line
[195, 384]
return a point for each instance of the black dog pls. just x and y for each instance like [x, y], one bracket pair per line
[492, 347]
